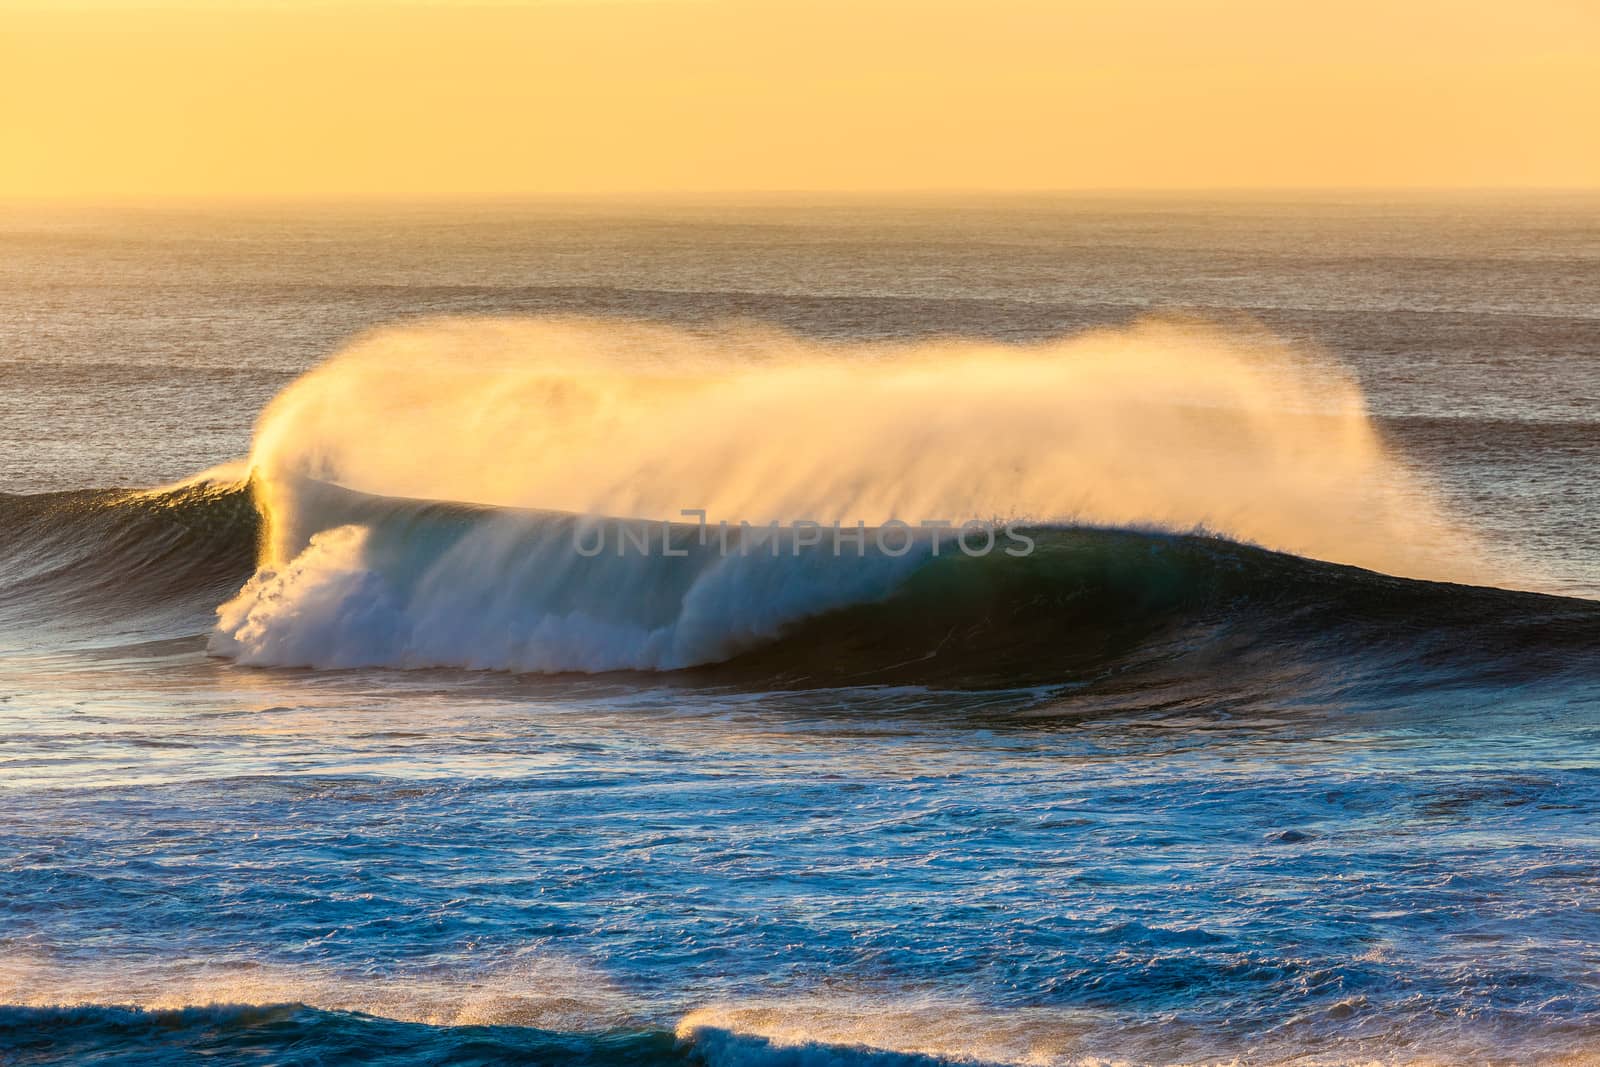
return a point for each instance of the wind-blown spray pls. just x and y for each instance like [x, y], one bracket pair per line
[1168, 425]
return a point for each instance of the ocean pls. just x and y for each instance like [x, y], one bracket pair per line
[425, 633]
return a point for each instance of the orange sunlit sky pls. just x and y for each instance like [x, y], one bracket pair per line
[408, 98]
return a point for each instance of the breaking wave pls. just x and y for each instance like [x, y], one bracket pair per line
[544, 1011]
[1113, 484]
[405, 583]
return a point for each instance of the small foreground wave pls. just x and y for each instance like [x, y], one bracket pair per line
[295, 1034]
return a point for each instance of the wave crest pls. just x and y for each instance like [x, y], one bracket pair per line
[1176, 425]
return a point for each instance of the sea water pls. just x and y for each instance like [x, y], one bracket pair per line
[1156, 793]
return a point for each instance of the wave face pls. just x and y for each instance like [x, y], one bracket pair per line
[408, 584]
[113, 565]
[402, 583]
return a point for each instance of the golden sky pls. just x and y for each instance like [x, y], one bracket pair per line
[399, 98]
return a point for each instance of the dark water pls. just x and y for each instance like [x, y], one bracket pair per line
[1142, 797]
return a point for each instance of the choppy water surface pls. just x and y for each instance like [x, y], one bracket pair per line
[1143, 798]
[1000, 876]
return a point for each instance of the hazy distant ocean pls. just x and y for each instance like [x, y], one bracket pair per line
[1146, 797]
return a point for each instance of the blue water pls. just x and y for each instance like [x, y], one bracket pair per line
[1006, 870]
[1309, 818]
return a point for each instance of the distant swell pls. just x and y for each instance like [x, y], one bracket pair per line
[398, 583]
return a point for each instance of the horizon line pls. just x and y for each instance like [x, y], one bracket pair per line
[646, 195]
